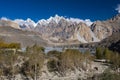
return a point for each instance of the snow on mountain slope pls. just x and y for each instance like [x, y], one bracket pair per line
[56, 19]
[7, 22]
[86, 21]
[30, 24]
[26, 24]
[60, 29]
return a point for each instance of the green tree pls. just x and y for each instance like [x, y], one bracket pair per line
[99, 53]
[71, 59]
[115, 60]
[107, 54]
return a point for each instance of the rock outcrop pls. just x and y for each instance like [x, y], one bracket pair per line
[26, 38]
[9, 23]
[59, 30]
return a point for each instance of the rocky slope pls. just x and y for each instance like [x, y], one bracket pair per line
[59, 30]
[9, 23]
[25, 24]
[111, 31]
[103, 29]
[65, 31]
[112, 42]
[26, 38]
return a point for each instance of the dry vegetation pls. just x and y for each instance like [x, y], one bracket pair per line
[30, 63]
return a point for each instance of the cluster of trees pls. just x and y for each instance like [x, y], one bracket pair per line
[103, 53]
[33, 60]
[7, 64]
[60, 62]
[8, 59]
[70, 60]
[36, 57]
[110, 56]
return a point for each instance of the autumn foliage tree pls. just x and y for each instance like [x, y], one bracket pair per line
[4, 45]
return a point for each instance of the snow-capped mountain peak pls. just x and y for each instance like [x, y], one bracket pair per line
[52, 19]
[56, 18]
[29, 21]
[30, 24]
[42, 22]
[26, 24]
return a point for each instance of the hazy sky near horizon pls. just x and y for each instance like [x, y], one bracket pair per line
[43, 9]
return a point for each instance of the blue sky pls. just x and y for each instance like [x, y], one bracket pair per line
[39, 9]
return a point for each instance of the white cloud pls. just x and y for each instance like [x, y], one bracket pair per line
[118, 8]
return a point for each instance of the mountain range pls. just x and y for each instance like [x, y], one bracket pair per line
[58, 30]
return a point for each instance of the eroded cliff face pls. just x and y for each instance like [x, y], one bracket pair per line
[9, 23]
[103, 29]
[68, 32]
[84, 34]
[63, 30]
